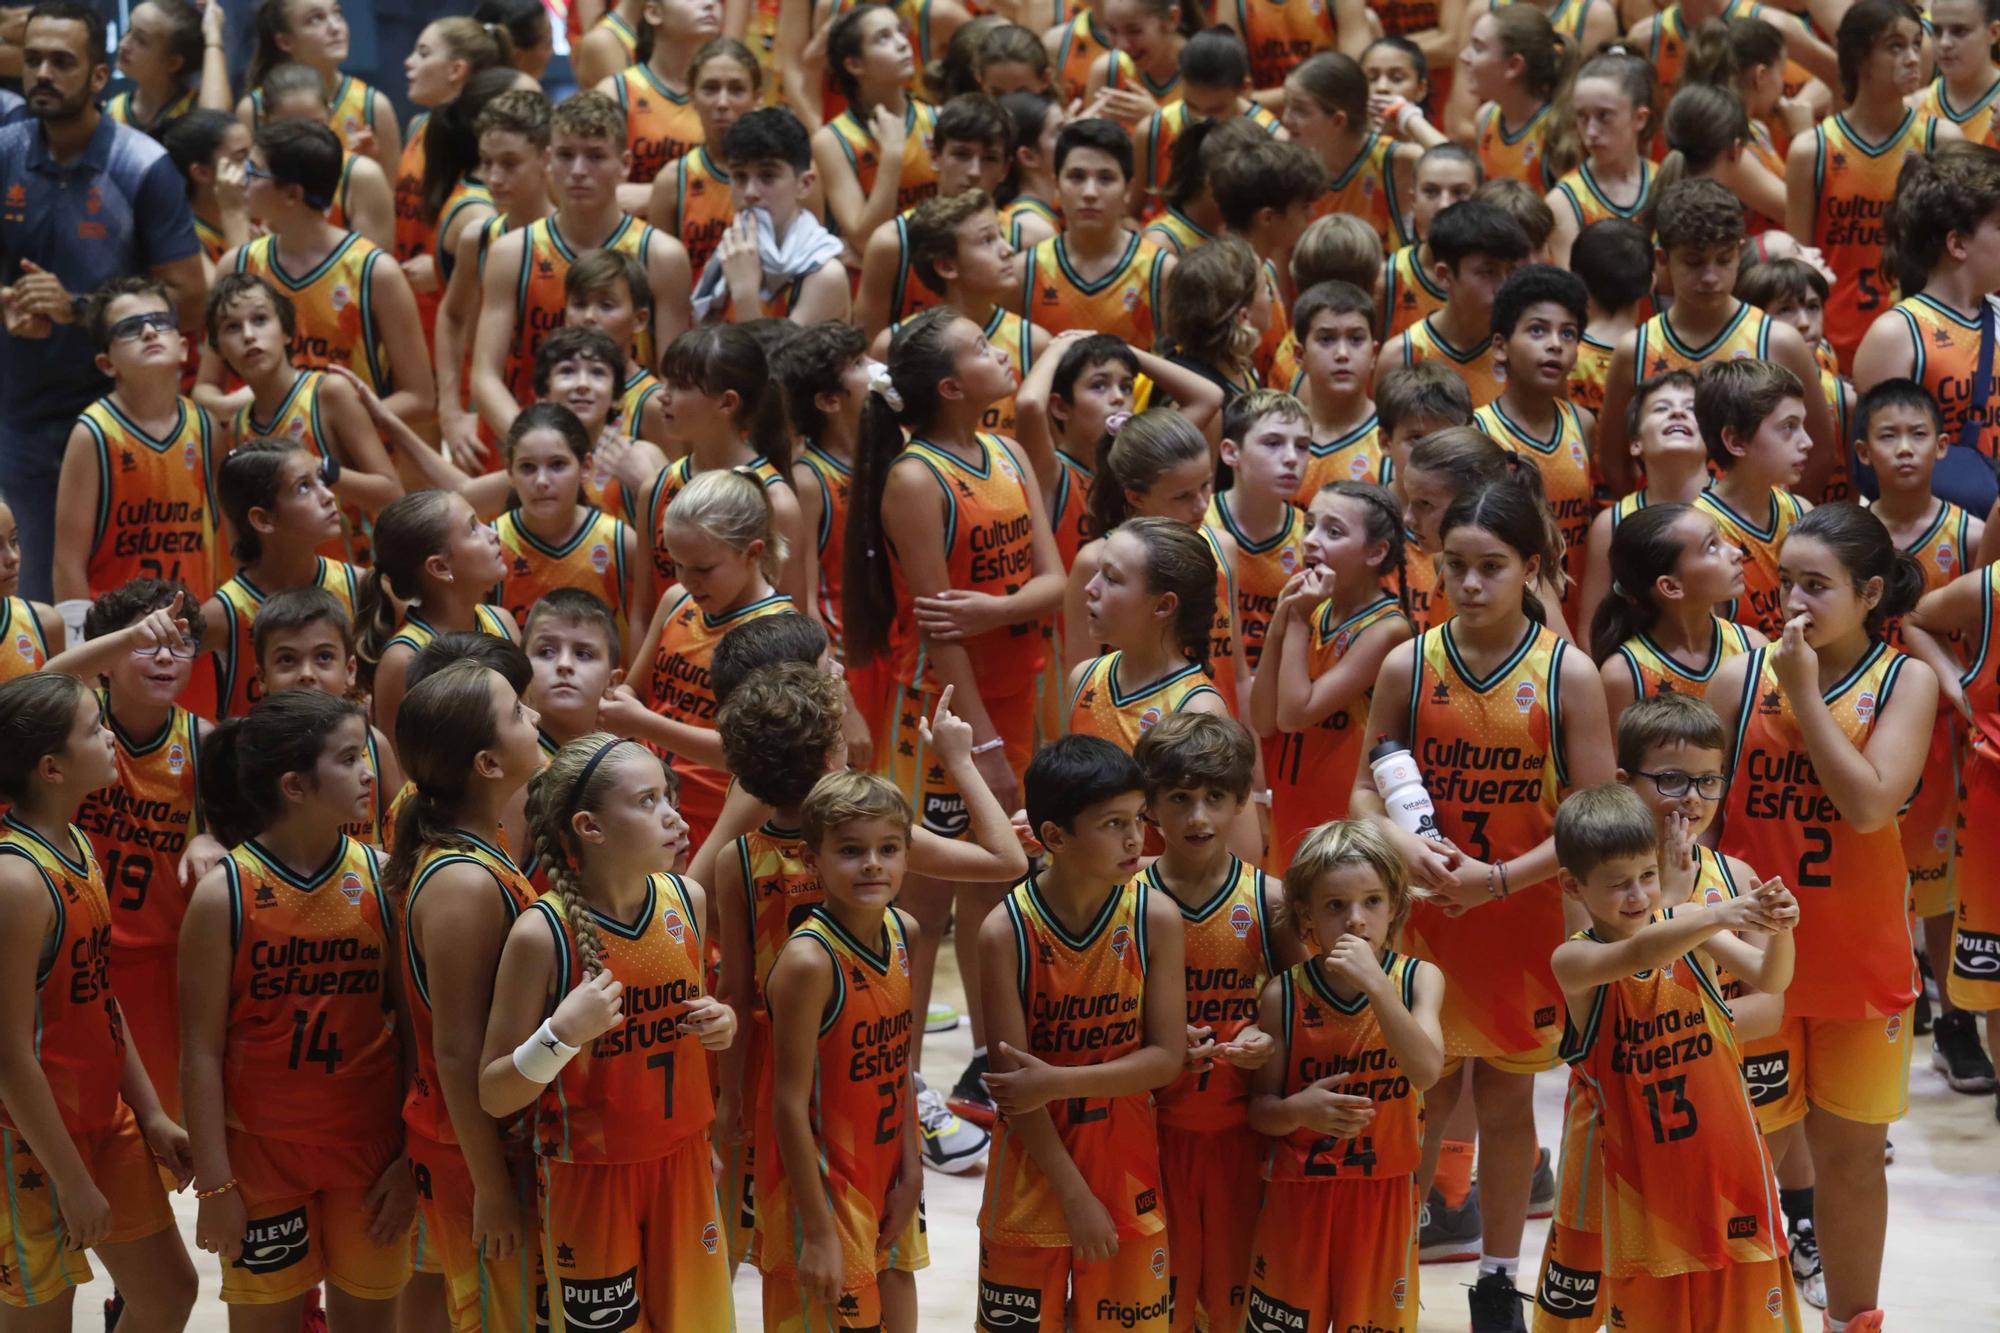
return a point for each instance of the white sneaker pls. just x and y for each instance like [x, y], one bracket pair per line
[950, 1144]
[1807, 1272]
[941, 1017]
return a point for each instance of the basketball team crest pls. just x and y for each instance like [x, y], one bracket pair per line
[1121, 940]
[296, 428]
[1288, 560]
[711, 1236]
[1357, 467]
[350, 888]
[1946, 557]
[670, 921]
[1864, 705]
[1524, 695]
[600, 557]
[1400, 1292]
[1240, 921]
[24, 644]
[191, 454]
[1340, 643]
[1006, 466]
[1159, 1263]
[177, 759]
[902, 956]
[1711, 897]
[1149, 719]
[343, 296]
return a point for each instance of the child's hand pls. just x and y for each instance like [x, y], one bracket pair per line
[391, 1203]
[1467, 887]
[169, 1145]
[589, 1010]
[364, 142]
[1127, 106]
[1201, 1047]
[946, 733]
[890, 134]
[620, 711]
[203, 851]
[162, 627]
[1032, 1084]
[1293, 598]
[421, 273]
[1352, 960]
[231, 181]
[742, 266]
[1677, 859]
[901, 1205]
[958, 614]
[1795, 661]
[1092, 1236]
[1761, 911]
[1250, 1049]
[218, 1223]
[712, 1022]
[822, 1269]
[369, 399]
[1780, 906]
[20, 321]
[1030, 844]
[1433, 865]
[497, 1225]
[1324, 1111]
[458, 434]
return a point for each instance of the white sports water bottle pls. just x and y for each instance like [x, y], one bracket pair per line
[1401, 783]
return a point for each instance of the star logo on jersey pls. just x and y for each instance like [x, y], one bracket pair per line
[850, 1304]
[1049, 295]
[1240, 921]
[266, 896]
[1659, 365]
[1614, 1317]
[1941, 336]
[1666, 687]
[1310, 1016]
[600, 557]
[1839, 161]
[127, 461]
[1864, 705]
[1524, 695]
[31, 1180]
[521, 566]
[1770, 703]
[935, 773]
[1121, 940]
[1044, 954]
[687, 616]
[1440, 693]
[857, 976]
[907, 750]
[964, 490]
[697, 186]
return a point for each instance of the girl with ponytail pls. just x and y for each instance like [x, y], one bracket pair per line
[1157, 465]
[1454, 462]
[174, 55]
[1514, 63]
[313, 33]
[614, 1138]
[292, 1052]
[1942, 236]
[1656, 627]
[1847, 720]
[1604, 172]
[1708, 134]
[468, 745]
[437, 561]
[1747, 56]
[1335, 622]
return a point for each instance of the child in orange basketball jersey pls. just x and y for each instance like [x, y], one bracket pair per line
[1657, 629]
[652, 92]
[1833, 730]
[1085, 997]
[874, 157]
[135, 498]
[1475, 245]
[601, 1025]
[1197, 770]
[606, 290]
[1367, 172]
[841, 1255]
[1752, 416]
[1491, 702]
[1437, 470]
[292, 1062]
[33, 630]
[1357, 1044]
[469, 744]
[1667, 442]
[1094, 274]
[1335, 323]
[1336, 619]
[1609, 175]
[70, 1083]
[1266, 438]
[281, 513]
[823, 373]
[1512, 66]
[1614, 259]
[436, 558]
[1446, 174]
[690, 197]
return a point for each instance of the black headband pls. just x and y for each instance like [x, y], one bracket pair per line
[576, 792]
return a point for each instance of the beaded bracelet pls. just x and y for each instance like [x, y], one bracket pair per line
[218, 1191]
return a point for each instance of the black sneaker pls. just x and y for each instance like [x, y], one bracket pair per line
[969, 1097]
[1807, 1272]
[1956, 1054]
[1496, 1305]
[1449, 1235]
[114, 1306]
[1542, 1190]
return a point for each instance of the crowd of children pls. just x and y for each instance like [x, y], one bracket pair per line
[1342, 556]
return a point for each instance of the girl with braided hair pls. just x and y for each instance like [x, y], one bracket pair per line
[600, 1028]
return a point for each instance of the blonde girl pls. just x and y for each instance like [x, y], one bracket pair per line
[620, 1105]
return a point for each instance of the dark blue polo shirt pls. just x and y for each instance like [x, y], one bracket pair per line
[121, 208]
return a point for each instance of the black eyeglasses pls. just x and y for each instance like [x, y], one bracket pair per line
[1674, 784]
[133, 327]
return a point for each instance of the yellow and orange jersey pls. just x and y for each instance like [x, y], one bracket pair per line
[1124, 72]
[79, 1033]
[1229, 958]
[1423, 342]
[1409, 291]
[1974, 121]
[1154, 144]
[1328, 1037]
[650, 513]
[1563, 459]
[1587, 376]
[918, 179]
[236, 683]
[424, 1110]
[679, 687]
[1016, 337]
[1084, 1000]
[1658, 349]
[139, 827]
[1125, 302]
[1262, 569]
[155, 507]
[1367, 189]
[415, 632]
[213, 244]
[641, 1088]
[1280, 34]
[1319, 762]
[23, 646]
[1667, 49]
[908, 293]
[1176, 233]
[468, 193]
[1982, 683]
[592, 558]
[834, 479]
[1222, 630]
[1492, 757]
[1587, 201]
[1429, 605]
[311, 1053]
[298, 420]
[1026, 206]
[1687, 1182]
[610, 22]
[1854, 956]
[1945, 346]
[119, 108]
[1854, 180]
[860, 1085]
[702, 209]
[660, 124]
[778, 885]
[1358, 455]
[1069, 512]
[1519, 152]
[988, 547]
[1083, 41]
[413, 237]
[1943, 551]
[334, 306]
[1655, 671]
[539, 303]
[1759, 539]
[1099, 708]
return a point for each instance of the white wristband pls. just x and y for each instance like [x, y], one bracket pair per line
[986, 747]
[541, 1057]
[1411, 111]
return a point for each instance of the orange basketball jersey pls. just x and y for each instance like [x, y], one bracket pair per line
[1409, 292]
[640, 1089]
[1854, 180]
[539, 303]
[1280, 34]
[1586, 377]
[1124, 302]
[1423, 342]
[298, 420]
[1229, 958]
[592, 558]
[1945, 346]
[1654, 671]
[1759, 605]
[416, 632]
[1563, 459]
[702, 208]
[1359, 455]
[834, 479]
[666, 486]
[23, 648]
[1367, 188]
[1084, 1000]
[1315, 767]
[680, 688]
[155, 510]
[1069, 514]
[312, 1053]
[1328, 1037]
[1082, 43]
[1746, 335]
[1262, 569]
[1587, 201]
[778, 885]
[236, 684]
[919, 178]
[1517, 152]
[1974, 121]
[1099, 709]
[334, 306]
[660, 124]
[1854, 949]
[139, 827]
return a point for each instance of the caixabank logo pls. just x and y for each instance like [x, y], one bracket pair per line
[601, 1304]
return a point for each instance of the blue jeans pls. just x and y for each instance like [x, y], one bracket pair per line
[30, 463]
